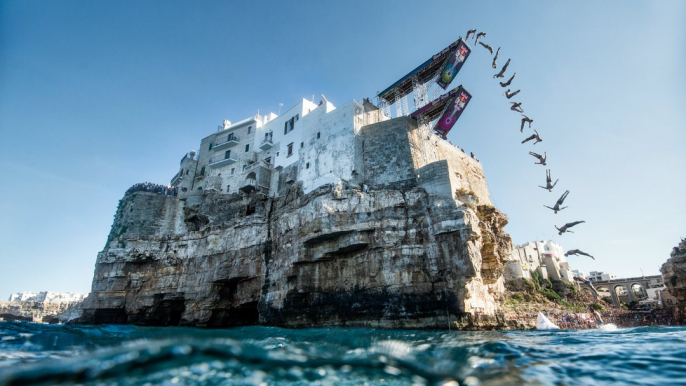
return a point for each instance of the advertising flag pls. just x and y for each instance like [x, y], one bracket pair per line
[452, 112]
[453, 65]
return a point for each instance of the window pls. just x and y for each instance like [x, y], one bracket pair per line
[297, 116]
[319, 135]
[302, 144]
[233, 170]
[290, 149]
[249, 128]
[199, 187]
[210, 145]
[202, 171]
[289, 125]
[268, 160]
[186, 172]
[277, 153]
[228, 188]
[244, 166]
[227, 155]
[247, 148]
[307, 166]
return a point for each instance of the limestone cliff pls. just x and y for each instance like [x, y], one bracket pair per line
[407, 239]
[40, 311]
[674, 275]
[335, 256]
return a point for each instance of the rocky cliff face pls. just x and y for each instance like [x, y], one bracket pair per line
[40, 311]
[392, 258]
[674, 275]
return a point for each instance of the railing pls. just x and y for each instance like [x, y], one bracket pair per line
[230, 140]
[222, 158]
[248, 185]
[177, 177]
[153, 188]
[266, 143]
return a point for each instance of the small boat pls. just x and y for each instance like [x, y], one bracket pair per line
[543, 323]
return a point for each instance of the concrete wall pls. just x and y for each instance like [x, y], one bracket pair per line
[327, 151]
[387, 154]
[465, 172]
[398, 150]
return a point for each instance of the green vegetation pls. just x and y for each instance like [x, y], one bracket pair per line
[596, 306]
[538, 289]
[550, 294]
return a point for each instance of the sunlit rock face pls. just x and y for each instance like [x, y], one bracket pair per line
[411, 242]
[674, 275]
[45, 307]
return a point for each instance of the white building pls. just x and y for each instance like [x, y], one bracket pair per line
[312, 143]
[47, 297]
[545, 257]
[600, 276]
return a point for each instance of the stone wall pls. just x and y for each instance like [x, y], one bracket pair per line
[399, 150]
[387, 154]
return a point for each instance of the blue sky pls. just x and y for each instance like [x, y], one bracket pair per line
[97, 96]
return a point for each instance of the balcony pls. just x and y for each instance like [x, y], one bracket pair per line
[221, 160]
[248, 185]
[176, 179]
[229, 141]
[266, 143]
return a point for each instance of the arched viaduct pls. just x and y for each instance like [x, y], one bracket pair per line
[624, 290]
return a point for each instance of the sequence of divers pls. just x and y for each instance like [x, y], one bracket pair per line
[536, 137]
[542, 322]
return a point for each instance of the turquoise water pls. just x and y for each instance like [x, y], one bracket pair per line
[36, 354]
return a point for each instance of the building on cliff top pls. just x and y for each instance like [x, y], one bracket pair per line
[318, 144]
[544, 257]
[320, 216]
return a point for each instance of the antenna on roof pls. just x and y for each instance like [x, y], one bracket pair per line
[326, 100]
[280, 105]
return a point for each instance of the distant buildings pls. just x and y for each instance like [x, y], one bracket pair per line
[47, 297]
[595, 276]
[544, 257]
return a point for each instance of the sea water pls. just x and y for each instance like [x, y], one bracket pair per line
[39, 354]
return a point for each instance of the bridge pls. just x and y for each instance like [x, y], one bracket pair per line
[624, 290]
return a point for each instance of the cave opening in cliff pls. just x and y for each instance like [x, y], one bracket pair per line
[165, 311]
[232, 309]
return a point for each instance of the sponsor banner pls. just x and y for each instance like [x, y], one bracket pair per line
[427, 70]
[452, 112]
[453, 65]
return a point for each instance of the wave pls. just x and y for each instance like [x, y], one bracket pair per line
[129, 355]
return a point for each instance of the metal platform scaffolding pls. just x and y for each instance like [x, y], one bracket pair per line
[419, 81]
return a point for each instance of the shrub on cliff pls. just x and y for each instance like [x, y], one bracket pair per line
[550, 294]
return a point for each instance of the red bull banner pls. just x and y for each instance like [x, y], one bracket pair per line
[453, 64]
[452, 112]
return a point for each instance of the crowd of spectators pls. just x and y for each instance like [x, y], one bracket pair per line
[568, 320]
[153, 188]
[626, 318]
